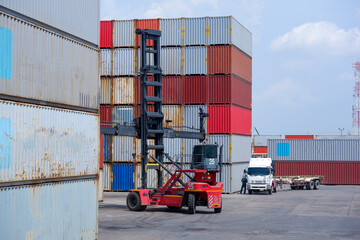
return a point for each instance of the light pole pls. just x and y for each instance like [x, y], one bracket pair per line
[341, 130]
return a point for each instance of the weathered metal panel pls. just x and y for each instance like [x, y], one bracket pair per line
[152, 178]
[106, 34]
[191, 117]
[124, 62]
[122, 149]
[124, 33]
[171, 62]
[101, 186]
[124, 90]
[171, 31]
[63, 210]
[195, 31]
[123, 177]
[339, 150]
[80, 18]
[107, 177]
[105, 62]
[241, 37]
[107, 148]
[42, 142]
[195, 60]
[105, 94]
[175, 114]
[138, 149]
[172, 146]
[262, 140]
[123, 114]
[46, 66]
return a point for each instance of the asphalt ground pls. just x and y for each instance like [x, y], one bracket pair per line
[332, 212]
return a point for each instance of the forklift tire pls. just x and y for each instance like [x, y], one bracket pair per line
[317, 185]
[191, 203]
[133, 202]
[173, 208]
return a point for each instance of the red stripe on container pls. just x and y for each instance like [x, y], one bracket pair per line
[334, 172]
[101, 163]
[260, 149]
[299, 136]
[106, 34]
[146, 24]
[173, 90]
[195, 90]
[105, 115]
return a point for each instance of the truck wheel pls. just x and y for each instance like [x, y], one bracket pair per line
[312, 185]
[191, 203]
[308, 186]
[293, 187]
[133, 202]
[250, 191]
[317, 184]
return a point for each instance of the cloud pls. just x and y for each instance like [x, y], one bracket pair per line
[286, 93]
[323, 38]
[169, 8]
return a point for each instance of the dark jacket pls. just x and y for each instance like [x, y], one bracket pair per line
[244, 180]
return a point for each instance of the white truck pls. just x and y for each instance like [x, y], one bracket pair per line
[260, 176]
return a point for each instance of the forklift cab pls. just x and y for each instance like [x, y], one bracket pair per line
[205, 157]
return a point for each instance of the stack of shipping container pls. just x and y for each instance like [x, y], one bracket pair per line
[49, 123]
[206, 63]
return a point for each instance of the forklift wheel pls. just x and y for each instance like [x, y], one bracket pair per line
[133, 202]
[191, 203]
[173, 208]
[218, 210]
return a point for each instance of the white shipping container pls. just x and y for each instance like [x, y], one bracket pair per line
[172, 146]
[105, 94]
[42, 142]
[195, 31]
[123, 149]
[172, 31]
[171, 61]
[101, 186]
[152, 178]
[105, 62]
[195, 60]
[124, 62]
[107, 177]
[62, 210]
[124, 90]
[80, 18]
[191, 117]
[175, 114]
[124, 33]
[42, 65]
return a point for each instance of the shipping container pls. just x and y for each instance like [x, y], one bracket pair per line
[192, 118]
[146, 24]
[123, 115]
[226, 31]
[79, 18]
[195, 31]
[299, 136]
[105, 62]
[101, 152]
[124, 33]
[262, 140]
[105, 116]
[334, 172]
[123, 148]
[106, 34]
[172, 146]
[173, 89]
[171, 61]
[346, 150]
[45, 66]
[188, 149]
[124, 62]
[228, 89]
[195, 60]
[122, 177]
[337, 137]
[149, 89]
[62, 210]
[229, 119]
[260, 149]
[107, 148]
[174, 114]
[101, 186]
[148, 56]
[107, 177]
[138, 149]
[195, 90]
[43, 142]
[105, 94]
[229, 60]
[124, 90]
[152, 178]
[137, 110]
[171, 31]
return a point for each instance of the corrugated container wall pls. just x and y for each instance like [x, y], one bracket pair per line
[107, 177]
[171, 31]
[338, 150]
[195, 31]
[262, 140]
[107, 148]
[195, 60]
[105, 94]
[173, 89]
[43, 142]
[124, 33]
[105, 116]
[191, 117]
[124, 62]
[105, 58]
[101, 186]
[79, 18]
[152, 178]
[148, 56]
[123, 114]
[106, 34]
[172, 146]
[53, 69]
[123, 177]
[146, 24]
[63, 210]
[171, 61]
[258, 149]
[175, 114]
[195, 90]
[123, 149]
[124, 90]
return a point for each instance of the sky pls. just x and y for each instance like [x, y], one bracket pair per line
[303, 51]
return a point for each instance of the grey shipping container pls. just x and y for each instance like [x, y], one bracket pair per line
[42, 65]
[339, 150]
[171, 62]
[105, 62]
[105, 93]
[195, 31]
[262, 140]
[191, 117]
[123, 149]
[101, 185]
[42, 142]
[63, 210]
[195, 60]
[124, 62]
[336, 136]
[107, 177]
[172, 146]
[79, 18]
[124, 33]
[172, 31]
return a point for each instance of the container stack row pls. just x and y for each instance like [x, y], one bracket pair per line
[49, 123]
[206, 63]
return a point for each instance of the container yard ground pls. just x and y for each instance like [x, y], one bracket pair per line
[333, 212]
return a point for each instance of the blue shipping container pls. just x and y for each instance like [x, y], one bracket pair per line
[123, 114]
[107, 148]
[123, 177]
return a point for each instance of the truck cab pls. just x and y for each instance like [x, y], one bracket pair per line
[260, 176]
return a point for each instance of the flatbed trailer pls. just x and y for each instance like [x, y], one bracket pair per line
[300, 182]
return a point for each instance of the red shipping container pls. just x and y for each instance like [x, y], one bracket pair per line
[146, 24]
[260, 149]
[229, 60]
[333, 172]
[229, 119]
[101, 164]
[173, 90]
[105, 115]
[106, 34]
[137, 110]
[299, 136]
[195, 90]
[228, 89]
[150, 89]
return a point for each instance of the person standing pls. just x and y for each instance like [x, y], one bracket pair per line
[244, 182]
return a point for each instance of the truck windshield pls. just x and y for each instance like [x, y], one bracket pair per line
[258, 171]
